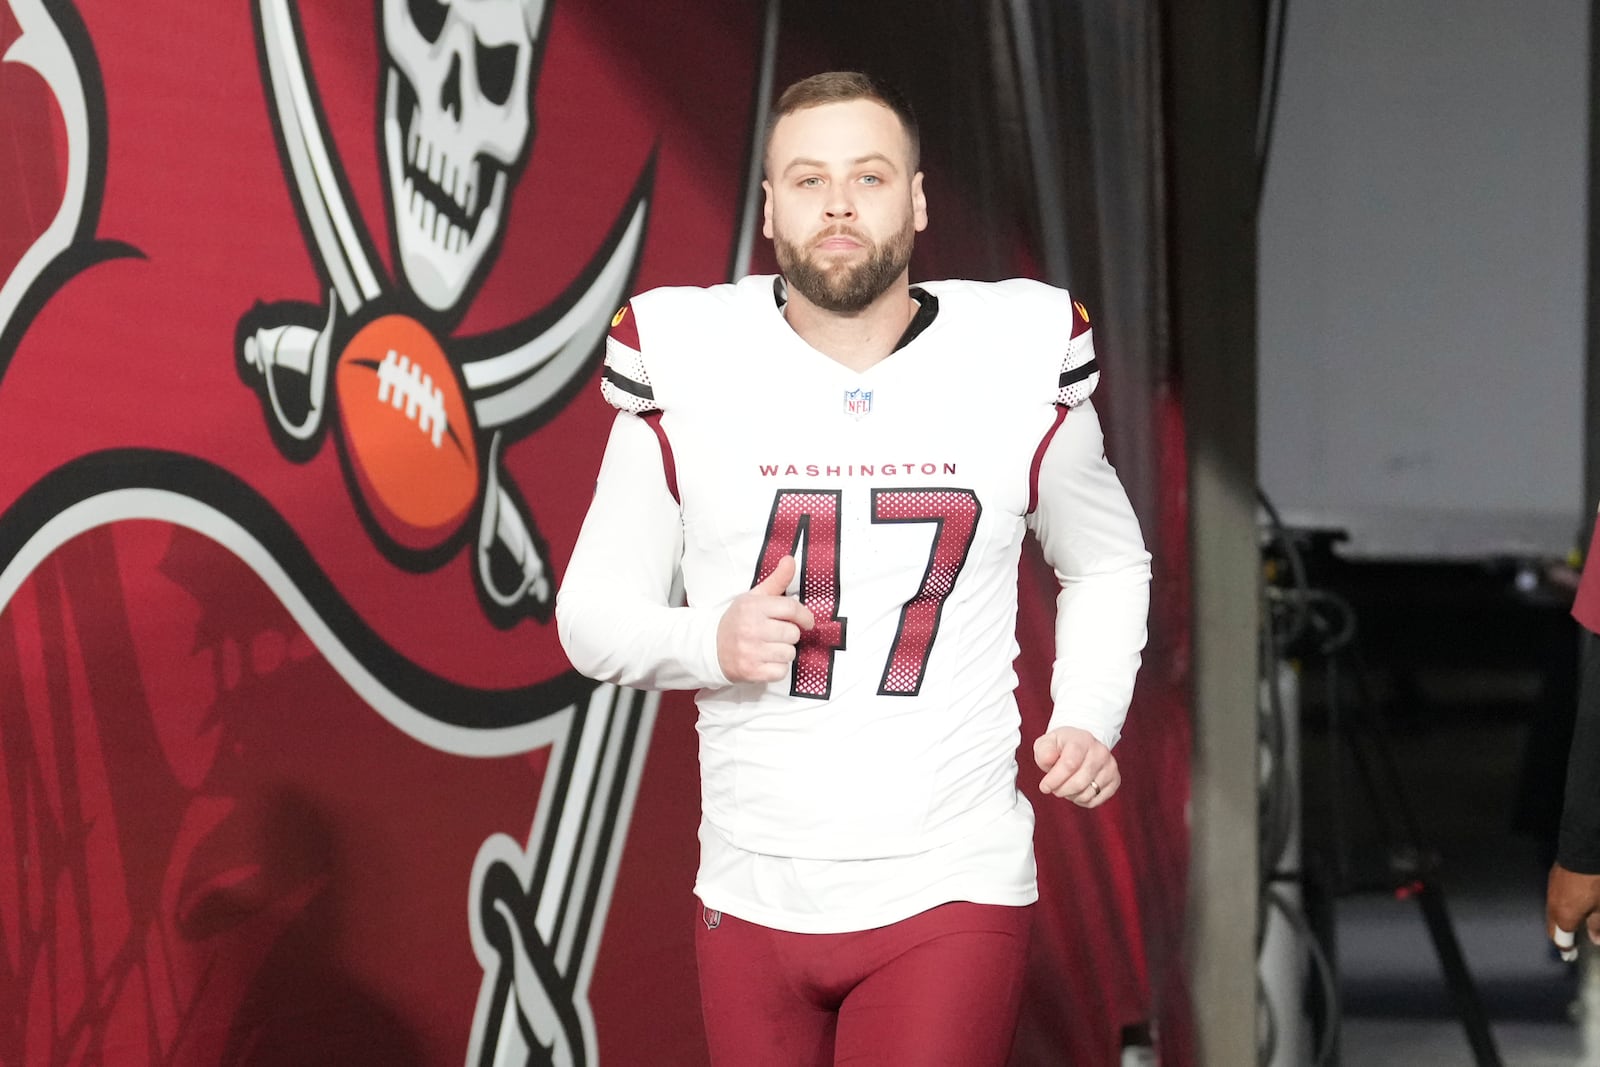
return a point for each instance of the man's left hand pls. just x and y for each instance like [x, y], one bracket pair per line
[1076, 766]
[1572, 902]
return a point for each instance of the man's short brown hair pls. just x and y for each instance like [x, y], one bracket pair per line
[840, 87]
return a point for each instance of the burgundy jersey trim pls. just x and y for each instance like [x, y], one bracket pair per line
[623, 327]
[1038, 457]
[668, 466]
[1080, 319]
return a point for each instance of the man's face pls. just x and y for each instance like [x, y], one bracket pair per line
[842, 203]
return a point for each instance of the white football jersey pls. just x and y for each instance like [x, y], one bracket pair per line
[903, 492]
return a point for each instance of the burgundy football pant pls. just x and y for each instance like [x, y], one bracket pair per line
[940, 988]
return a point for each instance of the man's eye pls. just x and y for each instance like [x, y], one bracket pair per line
[810, 183]
[871, 179]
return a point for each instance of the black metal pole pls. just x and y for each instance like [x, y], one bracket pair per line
[1457, 979]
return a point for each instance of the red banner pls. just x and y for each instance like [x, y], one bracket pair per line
[301, 307]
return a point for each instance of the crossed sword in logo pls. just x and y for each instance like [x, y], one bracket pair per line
[536, 918]
[534, 910]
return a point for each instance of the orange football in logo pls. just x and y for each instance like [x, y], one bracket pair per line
[407, 432]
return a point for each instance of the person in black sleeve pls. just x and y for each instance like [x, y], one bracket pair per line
[1572, 899]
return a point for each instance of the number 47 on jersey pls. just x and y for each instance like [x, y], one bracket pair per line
[814, 515]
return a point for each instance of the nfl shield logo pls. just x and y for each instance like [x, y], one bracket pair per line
[857, 402]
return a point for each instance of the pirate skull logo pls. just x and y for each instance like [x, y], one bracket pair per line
[457, 125]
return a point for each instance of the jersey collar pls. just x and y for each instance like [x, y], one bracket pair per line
[927, 310]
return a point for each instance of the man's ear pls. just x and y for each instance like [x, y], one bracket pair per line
[919, 204]
[766, 210]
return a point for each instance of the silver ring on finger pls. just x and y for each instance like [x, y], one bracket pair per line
[1095, 786]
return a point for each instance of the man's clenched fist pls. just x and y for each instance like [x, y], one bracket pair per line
[758, 632]
[1076, 766]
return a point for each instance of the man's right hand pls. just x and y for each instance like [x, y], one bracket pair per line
[758, 632]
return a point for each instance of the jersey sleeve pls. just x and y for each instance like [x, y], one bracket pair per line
[1080, 371]
[1091, 537]
[625, 380]
[614, 611]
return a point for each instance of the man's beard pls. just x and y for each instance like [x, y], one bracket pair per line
[846, 290]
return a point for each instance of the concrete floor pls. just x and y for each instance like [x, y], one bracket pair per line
[1431, 1043]
[1397, 1010]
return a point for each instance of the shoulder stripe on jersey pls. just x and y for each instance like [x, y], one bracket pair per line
[628, 385]
[1038, 457]
[1078, 373]
[625, 383]
[668, 466]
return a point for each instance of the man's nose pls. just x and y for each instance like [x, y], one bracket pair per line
[839, 206]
